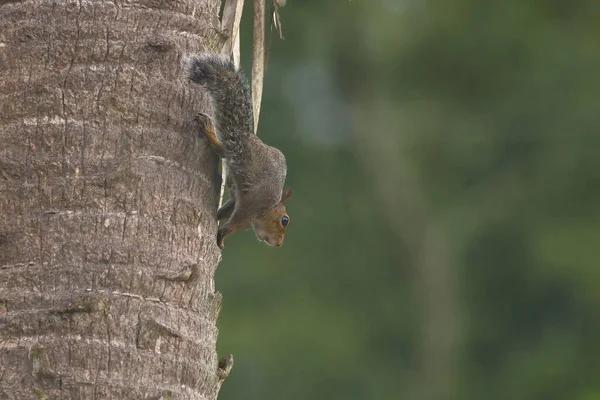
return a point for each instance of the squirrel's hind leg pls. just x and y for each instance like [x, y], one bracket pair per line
[210, 132]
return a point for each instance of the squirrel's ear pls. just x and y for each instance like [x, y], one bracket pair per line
[287, 193]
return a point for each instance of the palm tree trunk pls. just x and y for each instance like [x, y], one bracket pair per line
[108, 200]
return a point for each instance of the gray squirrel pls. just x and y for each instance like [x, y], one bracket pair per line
[255, 171]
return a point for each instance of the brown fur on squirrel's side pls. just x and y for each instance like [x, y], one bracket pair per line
[255, 171]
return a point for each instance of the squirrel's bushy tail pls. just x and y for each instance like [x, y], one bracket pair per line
[228, 88]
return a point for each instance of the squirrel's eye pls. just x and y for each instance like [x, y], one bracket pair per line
[285, 220]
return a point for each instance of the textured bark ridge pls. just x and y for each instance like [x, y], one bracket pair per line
[107, 202]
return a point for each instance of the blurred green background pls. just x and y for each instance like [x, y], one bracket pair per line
[445, 222]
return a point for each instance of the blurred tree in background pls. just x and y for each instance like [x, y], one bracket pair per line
[445, 220]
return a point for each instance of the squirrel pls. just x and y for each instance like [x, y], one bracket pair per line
[255, 171]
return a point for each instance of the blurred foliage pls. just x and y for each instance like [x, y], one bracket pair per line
[445, 225]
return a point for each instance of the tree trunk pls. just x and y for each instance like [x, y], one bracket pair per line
[108, 199]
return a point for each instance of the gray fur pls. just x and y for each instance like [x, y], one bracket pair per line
[256, 171]
[230, 92]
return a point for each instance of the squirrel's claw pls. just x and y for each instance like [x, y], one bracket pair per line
[202, 118]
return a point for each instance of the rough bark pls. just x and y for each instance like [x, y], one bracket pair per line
[108, 200]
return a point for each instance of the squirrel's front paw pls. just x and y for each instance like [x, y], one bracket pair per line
[220, 238]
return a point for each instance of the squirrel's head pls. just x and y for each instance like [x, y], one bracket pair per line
[270, 227]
